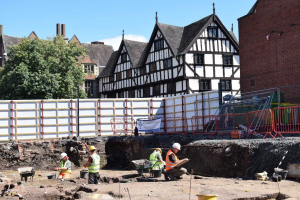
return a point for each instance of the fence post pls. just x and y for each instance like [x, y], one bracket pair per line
[99, 117]
[126, 116]
[165, 117]
[71, 117]
[42, 109]
[12, 119]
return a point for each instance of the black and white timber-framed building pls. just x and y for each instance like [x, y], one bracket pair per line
[176, 61]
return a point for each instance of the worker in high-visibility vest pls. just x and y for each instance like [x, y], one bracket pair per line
[65, 167]
[172, 172]
[93, 165]
[156, 159]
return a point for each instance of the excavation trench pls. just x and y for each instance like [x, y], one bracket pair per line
[217, 158]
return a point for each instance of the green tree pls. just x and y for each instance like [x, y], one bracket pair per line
[42, 69]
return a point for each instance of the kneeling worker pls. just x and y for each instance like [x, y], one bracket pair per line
[172, 161]
[93, 165]
[65, 167]
[156, 159]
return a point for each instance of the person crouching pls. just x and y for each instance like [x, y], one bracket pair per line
[65, 167]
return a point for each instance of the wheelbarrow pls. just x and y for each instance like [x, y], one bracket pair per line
[26, 172]
[143, 166]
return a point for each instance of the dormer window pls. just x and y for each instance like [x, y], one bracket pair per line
[212, 32]
[159, 45]
[89, 69]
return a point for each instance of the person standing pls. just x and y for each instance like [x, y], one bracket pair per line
[172, 161]
[156, 159]
[93, 166]
[65, 167]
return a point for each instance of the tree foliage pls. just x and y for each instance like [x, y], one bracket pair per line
[42, 69]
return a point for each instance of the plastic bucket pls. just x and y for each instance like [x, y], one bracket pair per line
[207, 197]
[283, 174]
[156, 173]
[84, 174]
[52, 176]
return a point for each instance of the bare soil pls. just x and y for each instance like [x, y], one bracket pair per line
[225, 188]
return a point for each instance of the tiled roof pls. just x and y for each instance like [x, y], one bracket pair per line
[190, 32]
[10, 41]
[110, 64]
[172, 34]
[135, 50]
[98, 52]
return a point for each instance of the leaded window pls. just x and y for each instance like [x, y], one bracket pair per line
[121, 94]
[171, 88]
[205, 84]
[167, 63]
[111, 79]
[227, 60]
[159, 45]
[199, 58]
[128, 73]
[131, 94]
[212, 32]
[119, 76]
[143, 70]
[226, 85]
[152, 67]
[124, 57]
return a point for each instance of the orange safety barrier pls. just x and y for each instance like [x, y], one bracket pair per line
[260, 123]
[227, 123]
[204, 125]
[286, 120]
[176, 125]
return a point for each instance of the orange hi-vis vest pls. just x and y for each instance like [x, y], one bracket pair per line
[169, 164]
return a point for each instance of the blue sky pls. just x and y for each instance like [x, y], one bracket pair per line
[94, 20]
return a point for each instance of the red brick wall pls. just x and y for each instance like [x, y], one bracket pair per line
[276, 62]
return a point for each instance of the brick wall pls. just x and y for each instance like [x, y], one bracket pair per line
[274, 62]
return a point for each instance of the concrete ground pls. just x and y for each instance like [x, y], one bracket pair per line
[42, 188]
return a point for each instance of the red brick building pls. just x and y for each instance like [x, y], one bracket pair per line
[269, 47]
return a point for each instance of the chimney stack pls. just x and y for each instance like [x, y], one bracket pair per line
[97, 42]
[57, 29]
[63, 30]
[1, 30]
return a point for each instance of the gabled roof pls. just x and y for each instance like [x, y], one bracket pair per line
[234, 37]
[98, 52]
[33, 35]
[190, 33]
[134, 50]
[172, 34]
[75, 39]
[9, 41]
[110, 65]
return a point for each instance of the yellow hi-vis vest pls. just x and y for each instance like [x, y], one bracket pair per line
[155, 161]
[95, 166]
[62, 164]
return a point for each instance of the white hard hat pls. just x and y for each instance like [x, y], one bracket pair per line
[176, 146]
[63, 155]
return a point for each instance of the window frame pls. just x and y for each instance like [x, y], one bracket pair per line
[224, 81]
[122, 57]
[156, 90]
[196, 56]
[159, 45]
[166, 66]
[225, 57]
[119, 76]
[128, 73]
[152, 67]
[203, 81]
[212, 28]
